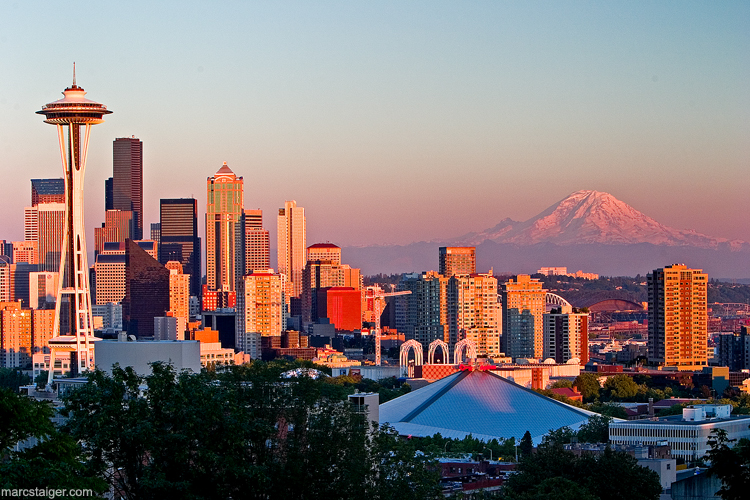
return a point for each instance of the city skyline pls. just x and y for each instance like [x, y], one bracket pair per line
[407, 105]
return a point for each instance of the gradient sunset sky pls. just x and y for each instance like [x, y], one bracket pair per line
[394, 122]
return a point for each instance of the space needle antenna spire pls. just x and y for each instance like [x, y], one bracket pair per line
[73, 328]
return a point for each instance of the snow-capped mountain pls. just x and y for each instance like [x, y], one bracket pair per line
[587, 217]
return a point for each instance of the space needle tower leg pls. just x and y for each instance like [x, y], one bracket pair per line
[78, 114]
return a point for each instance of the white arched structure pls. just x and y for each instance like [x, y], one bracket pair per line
[418, 354]
[465, 344]
[433, 348]
[553, 300]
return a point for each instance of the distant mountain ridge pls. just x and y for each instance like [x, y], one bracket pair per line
[587, 230]
[587, 217]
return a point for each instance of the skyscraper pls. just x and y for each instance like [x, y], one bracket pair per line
[118, 226]
[146, 291]
[523, 310]
[457, 260]
[677, 317]
[127, 179]
[252, 244]
[223, 212]
[47, 191]
[178, 238]
[292, 243]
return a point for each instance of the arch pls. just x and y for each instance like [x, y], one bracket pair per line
[469, 346]
[404, 355]
[433, 348]
[553, 300]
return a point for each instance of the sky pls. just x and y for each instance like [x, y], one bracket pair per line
[390, 121]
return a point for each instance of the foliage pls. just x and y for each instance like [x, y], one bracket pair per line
[13, 378]
[609, 410]
[51, 460]
[588, 386]
[22, 418]
[593, 474]
[731, 465]
[240, 432]
[526, 446]
[561, 384]
[596, 430]
[620, 387]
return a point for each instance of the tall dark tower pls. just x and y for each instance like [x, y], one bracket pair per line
[178, 219]
[127, 179]
[74, 115]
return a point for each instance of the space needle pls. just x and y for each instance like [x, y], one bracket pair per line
[73, 115]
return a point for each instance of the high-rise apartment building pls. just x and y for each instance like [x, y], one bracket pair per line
[677, 317]
[418, 315]
[457, 260]
[260, 307]
[292, 244]
[566, 335]
[223, 213]
[524, 305]
[178, 238]
[127, 180]
[474, 312]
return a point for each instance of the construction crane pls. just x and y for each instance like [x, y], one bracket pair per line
[378, 303]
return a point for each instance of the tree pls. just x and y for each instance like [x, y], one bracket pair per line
[620, 387]
[13, 378]
[593, 474]
[238, 432]
[526, 446]
[562, 383]
[52, 459]
[596, 430]
[588, 386]
[609, 409]
[731, 465]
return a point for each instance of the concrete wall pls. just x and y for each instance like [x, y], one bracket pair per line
[182, 354]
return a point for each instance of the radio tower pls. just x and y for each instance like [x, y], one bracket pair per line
[78, 114]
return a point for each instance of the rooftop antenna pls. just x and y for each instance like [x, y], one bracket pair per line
[74, 73]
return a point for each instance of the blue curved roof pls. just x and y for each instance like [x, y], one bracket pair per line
[482, 404]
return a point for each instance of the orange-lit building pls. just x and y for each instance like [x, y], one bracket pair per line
[223, 211]
[118, 226]
[291, 245]
[26, 251]
[342, 306]
[325, 274]
[474, 312]
[260, 307]
[677, 317]
[524, 306]
[457, 260]
[566, 335]
[324, 251]
[179, 295]
[15, 336]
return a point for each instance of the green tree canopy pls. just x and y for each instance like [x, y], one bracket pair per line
[620, 387]
[241, 432]
[588, 386]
